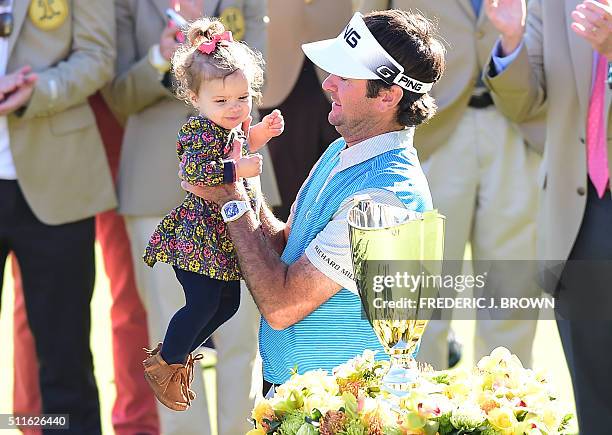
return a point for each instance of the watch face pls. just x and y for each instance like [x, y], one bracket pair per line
[231, 210]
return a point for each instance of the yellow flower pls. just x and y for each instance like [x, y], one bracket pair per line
[262, 410]
[168, 224]
[258, 431]
[193, 266]
[502, 419]
[161, 256]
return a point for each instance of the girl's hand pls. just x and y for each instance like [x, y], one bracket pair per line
[250, 166]
[236, 151]
[273, 124]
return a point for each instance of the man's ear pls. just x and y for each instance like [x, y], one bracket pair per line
[390, 97]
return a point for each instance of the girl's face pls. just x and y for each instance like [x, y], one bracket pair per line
[227, 102]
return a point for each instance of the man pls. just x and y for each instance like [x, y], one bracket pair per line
[148, 190]
[293, 83]
[299, 272]
[134, 409]
[54, 178]
[560, 57]
[481, 173]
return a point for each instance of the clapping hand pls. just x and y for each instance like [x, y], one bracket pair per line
[593, 22]
[509, 18]
[167, 41]
[16, 89]
[191, 10]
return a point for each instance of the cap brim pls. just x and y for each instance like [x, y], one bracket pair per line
[330, 56]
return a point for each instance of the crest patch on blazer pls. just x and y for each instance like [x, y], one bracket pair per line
[48, 14]
[233, 20]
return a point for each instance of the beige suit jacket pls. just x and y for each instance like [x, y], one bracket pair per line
[468, 39]
[554, 66]
[57, 150]
[293, 23]
[148, 183]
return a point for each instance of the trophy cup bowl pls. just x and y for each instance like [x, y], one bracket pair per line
[396, 244]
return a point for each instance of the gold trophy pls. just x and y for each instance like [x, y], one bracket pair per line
[397, 258]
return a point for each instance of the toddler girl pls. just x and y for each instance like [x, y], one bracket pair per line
[219, 77]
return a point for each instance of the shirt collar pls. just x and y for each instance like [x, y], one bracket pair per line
[375, 146]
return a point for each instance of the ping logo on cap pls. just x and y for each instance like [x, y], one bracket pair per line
[355, 53]
[390, 75]
[351, 37]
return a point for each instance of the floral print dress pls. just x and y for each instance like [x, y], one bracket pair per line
[193, 236]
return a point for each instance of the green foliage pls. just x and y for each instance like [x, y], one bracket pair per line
[307, 429]
[292, 423]
[441, 379]
[446, 427]
[354, 427]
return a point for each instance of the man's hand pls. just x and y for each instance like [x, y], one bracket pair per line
[250, 166]
[167, 42]
[19, 97]
[593, 22]
[218, 194]
[10, 82]
[509, 18]
[191, 10]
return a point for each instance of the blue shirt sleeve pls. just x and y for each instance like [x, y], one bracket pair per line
[501, 63]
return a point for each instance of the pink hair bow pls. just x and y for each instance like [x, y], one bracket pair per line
[210, 46]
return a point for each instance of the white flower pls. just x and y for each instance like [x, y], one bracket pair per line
[467, 417]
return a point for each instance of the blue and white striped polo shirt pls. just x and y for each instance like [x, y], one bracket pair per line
[387, 168]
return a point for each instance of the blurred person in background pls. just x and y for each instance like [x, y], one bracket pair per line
[293, 85]
[134, 410]
[54, 178]
[481, 172]
[558, 54]
[141, 93]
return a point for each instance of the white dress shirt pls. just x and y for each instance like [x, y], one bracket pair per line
[7, 167]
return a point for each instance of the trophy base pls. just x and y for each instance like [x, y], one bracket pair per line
[401, 376]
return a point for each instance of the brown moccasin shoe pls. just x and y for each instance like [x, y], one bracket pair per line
[189, 364]
[168, 382]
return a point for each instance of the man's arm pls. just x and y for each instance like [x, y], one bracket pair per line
[275, 231]
[86, 69]
[284, 294]
[137, 84]
[519, 91]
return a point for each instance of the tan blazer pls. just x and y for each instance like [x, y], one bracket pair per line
[293, 23]
[58, 153]
[561, 77]
[468, 39]
[148, 183]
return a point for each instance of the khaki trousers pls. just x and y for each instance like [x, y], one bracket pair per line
[238, 378]
[484, 181]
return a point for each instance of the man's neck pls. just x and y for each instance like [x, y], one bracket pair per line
[358, 138]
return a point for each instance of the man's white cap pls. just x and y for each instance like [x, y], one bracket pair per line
[356, 54]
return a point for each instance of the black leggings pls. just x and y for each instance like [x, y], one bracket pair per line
[209, 303]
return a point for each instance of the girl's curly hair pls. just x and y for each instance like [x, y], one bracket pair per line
[191, 67]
